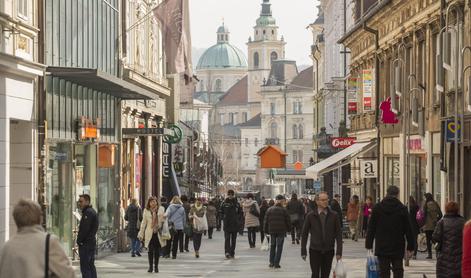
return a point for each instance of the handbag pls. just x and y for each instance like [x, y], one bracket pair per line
[200, 223]
[339, 271]
[420, 217]
[372, 266]
[265, 245]
[46, 256]
[165, 232]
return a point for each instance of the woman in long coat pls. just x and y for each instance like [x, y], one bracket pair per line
[134, 217]
[448, 235]
[211, 215]
[433, 213]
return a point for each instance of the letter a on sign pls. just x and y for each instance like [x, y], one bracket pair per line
[369, 169]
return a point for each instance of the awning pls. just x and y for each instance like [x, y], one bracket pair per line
[103, 82]
[336, 160]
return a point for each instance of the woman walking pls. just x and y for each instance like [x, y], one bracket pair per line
[352, 216]
[134, 217]
[413, 209]
[432, 215]
[448, 235]
[176, 220]
[263, 210]
[153, 218]
[199, 222]
[251, 213]
[366, 212]
[211, 215]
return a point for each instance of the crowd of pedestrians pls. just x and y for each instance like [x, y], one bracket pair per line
[390, 227]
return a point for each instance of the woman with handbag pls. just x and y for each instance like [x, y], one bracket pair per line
[134, 217]
[153, 218]
[448, 235]
[251, 214]
[433, 213]
[199, 224]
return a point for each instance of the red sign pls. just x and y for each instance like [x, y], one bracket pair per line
[342, 142]
[352, 107]
[415, 144]
[387, 115]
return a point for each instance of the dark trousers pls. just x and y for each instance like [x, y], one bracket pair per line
[87, 262]
[252, 235]
[210, 232]
[154, 251]
[176, 238]
[187, 242]
[230, 239]
[197, 241]
[428, 236]
[262, 235]
[276, 248]
[218, 222]
[387, 264]
[295, 230]
[321, 263]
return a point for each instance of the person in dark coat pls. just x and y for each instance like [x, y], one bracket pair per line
[413, 209]
[231, 214]
[86, 237]
[134, 217]
[335, 206]
[324, 227]
[389, 227]
[449, 236]
[263, 210]
[296, 213]
[277, 223]
[433, 213]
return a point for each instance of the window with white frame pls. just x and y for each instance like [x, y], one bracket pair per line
[272, 108]
[300, 132]
[23, 8]
[295, 131]
[246, 142]
[256, 142]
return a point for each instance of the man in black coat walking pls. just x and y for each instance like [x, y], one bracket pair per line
[323, 225]
[296, 213]
[277, 223]
[389, 227]
[231, 213]
[86, 237]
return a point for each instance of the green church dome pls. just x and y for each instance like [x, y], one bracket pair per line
[223, 54]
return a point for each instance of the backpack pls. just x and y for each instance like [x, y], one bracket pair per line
[420, 217]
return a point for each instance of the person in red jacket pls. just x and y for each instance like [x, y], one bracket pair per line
[466, 261]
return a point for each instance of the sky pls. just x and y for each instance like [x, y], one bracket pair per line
[292, 18]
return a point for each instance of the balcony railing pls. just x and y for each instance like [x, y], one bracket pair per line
[362, 121]
[272, 141]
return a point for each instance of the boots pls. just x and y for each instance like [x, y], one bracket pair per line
[151, 260]
[156, 263]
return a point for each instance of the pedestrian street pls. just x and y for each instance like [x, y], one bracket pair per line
[247, 263]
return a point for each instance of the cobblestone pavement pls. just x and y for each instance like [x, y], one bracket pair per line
[248, 262]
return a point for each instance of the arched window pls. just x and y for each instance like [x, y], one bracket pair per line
[273, 130]
[301, 132]
[218, 86]
[273, 56]
[256, 60]
[295, 132]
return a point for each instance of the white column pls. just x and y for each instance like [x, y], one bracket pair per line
[4, 175]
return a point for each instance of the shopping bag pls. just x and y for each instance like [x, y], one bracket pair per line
[265, 245]
[372, 266]
[165, 233]
[339, 271]
[200, 223]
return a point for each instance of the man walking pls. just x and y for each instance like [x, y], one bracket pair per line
[389, 226]
[296, 213]
[277, 224]
[231, 212]
[86, 237]
[324, 227]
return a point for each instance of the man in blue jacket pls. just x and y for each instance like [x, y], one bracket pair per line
[86, 238]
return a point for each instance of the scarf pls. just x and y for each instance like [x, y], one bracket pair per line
[155, 221]
[198, 208]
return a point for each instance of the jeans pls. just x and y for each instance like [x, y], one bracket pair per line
[176, 238]
[276, 248]
[154, 251]
[428, 235]
[252, 235]
[295, 230]
[197, 241]
[230, 239]
[387, 264]
[210, 232]
[135, 246]
[321, 263]
[87, 262]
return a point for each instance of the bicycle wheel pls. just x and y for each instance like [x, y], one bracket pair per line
[422, 243]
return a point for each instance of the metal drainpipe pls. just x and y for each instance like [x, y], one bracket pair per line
[378, 136]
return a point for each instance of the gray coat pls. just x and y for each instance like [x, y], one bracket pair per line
[134, 217]
[211, 212]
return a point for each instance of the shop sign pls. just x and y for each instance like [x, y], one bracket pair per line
[369, 169]
[143, 131]
[166, 160]
[368, 86]
[415, 144]
[451, 130]
[352, 85]
[342, 142]
[88, 129]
